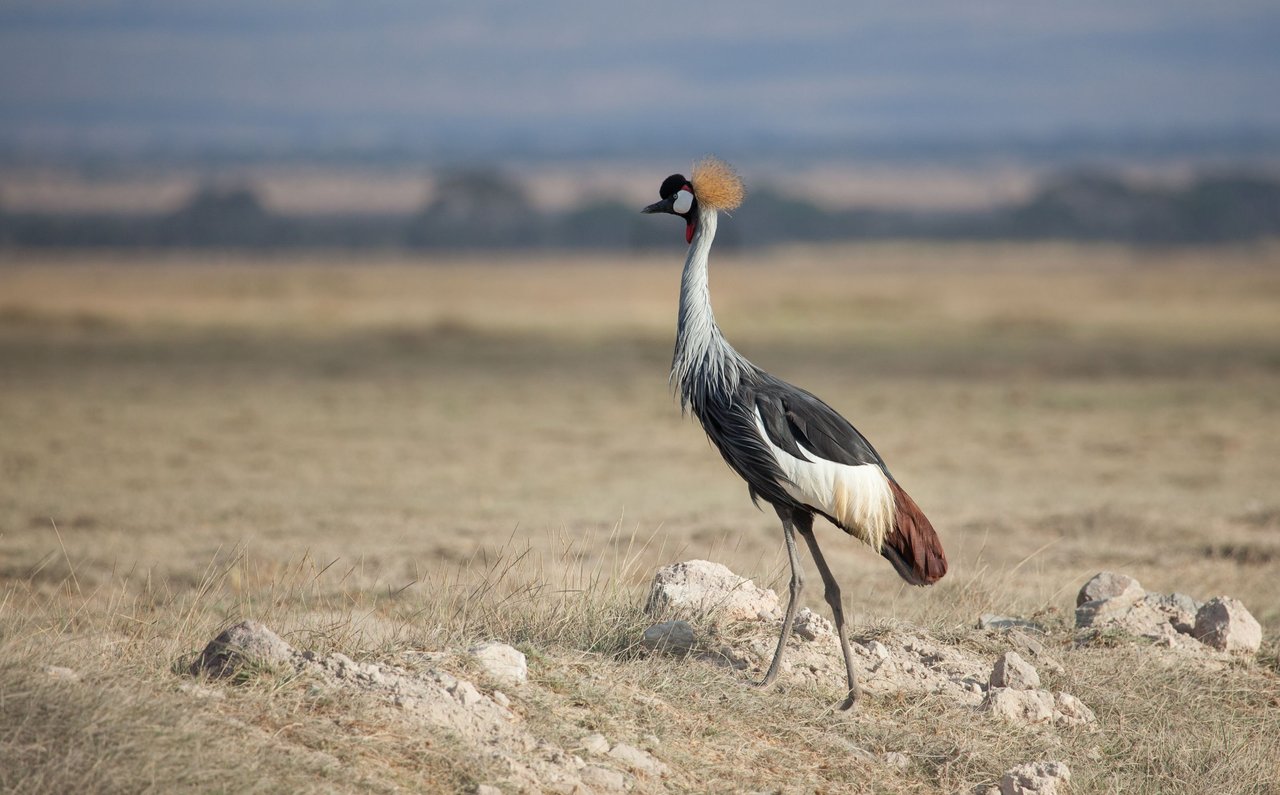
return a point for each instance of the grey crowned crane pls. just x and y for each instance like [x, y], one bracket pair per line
[795, 452]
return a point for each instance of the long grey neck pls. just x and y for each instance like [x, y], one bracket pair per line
[705, 364]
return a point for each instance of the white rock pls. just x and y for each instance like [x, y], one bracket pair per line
[897, 760]
[878, 650]
[465, 693]
[1070, 711]
[1021, 706]
[501, 699]
[247, 642]
[1178, 608]
[603, 779]
[1225, 624]
[501, 661]
[1038, 778]
[1037, 649]
[595, 744]
[487, 789]
[1014, 672]
[1127, 612]
[810, 626]
[698, 588]
[1156, 617]
[639, 761]
[1109, 585]
[669, 637]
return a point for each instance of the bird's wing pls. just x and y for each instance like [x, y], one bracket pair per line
[849, 483]
[804, 426]
[730, 425]
[829, 466]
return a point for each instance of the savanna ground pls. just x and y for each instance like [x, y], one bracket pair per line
[378, 455]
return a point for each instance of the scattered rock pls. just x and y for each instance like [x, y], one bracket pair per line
[1146, 617]
[501, 698]
[669, 637]
[1013, 672]
[1031, 707]
[604, 779]
[465, 693]
[1172, 620]
[1127, 612]
[901, 661]
[1021, 706]
[61, 674]
[639, 761]
[993, 621]
[501, 661]
[699, 588]
[246, 643]
[810, 626]
[1038, 778]
[1109, 585]
[1226, 625]
[430, 697]
[1179, 608]
[1070, 711]
[1036, 649]
[595, 744]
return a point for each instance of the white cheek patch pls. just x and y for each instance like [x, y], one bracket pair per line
[684, 200]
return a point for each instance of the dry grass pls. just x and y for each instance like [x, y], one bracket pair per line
[385, 457]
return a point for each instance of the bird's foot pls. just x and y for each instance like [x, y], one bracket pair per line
[851, 701]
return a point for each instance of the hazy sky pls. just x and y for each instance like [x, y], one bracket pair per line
[419, 72]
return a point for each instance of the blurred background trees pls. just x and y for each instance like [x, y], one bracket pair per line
[477, 209]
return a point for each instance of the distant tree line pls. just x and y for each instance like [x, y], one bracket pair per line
[487, 210]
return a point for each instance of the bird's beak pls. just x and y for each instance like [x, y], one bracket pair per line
[664, 206]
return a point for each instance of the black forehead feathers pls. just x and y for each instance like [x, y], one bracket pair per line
[672, 184]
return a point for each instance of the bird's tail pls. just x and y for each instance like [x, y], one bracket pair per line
[913, 547]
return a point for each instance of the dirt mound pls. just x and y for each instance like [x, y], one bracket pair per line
[485, 721]
[731, 624]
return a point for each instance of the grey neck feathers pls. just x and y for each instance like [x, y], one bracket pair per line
[705, 365]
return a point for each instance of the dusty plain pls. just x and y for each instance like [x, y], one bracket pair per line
[377, 453]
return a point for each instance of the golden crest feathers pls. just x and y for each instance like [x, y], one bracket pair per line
[716, 184]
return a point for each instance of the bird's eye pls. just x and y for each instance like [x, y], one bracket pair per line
[684, 201]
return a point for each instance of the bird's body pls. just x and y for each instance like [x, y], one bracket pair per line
[793, 450]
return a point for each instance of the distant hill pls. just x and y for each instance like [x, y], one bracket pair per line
[488, 210]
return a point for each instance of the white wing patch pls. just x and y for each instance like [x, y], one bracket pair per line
[858, 497]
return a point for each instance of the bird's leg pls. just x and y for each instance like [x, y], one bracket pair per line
[832, 595]
[797, 585]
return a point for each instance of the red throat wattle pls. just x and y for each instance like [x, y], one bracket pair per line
[688, 231]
